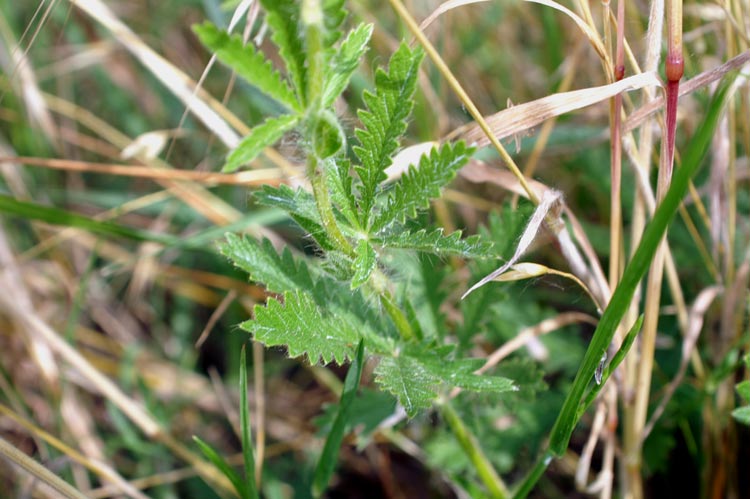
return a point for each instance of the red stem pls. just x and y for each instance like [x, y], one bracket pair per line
[675, 67]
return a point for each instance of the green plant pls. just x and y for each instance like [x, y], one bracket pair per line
[323, 307]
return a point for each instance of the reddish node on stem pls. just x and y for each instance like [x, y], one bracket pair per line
[671, 120]
[675, 67]
[619, 72]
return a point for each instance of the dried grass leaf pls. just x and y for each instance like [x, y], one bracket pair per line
[522, 117]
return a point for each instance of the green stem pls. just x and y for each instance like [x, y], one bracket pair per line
[469, 444]
[397, 316]
[317, 178]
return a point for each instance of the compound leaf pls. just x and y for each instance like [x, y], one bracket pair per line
[416, 375]
[282, 17]
[438, 243]
[340, 186]
[248, 63]
[279, 273]
[260, 137]
[299, 325]
[300, 204]
[418, 185]
[385, 121]
[345, 62]
[333, 15]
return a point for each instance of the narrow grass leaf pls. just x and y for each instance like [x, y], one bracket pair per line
[612, 366]
[329, 456]
[248, 456]
[57, 216]
[635, 270]
[260, 137]
[248, 63]
[344, 62]
[237, 482]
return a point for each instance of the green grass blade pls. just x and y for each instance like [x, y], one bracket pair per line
[329, 456]
[636, 269]
[616, 360]
[57, 216]
[223, 467]
[247, 443]
[623, 294]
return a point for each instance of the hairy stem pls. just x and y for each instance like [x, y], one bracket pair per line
[495, 485]
[317, 178]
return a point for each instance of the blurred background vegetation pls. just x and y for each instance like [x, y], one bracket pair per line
[123, 268]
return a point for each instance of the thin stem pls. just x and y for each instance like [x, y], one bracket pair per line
[317, 178]
[397, 316]
[463, 96]
[469, 444]
[33, 468]
[674, 68]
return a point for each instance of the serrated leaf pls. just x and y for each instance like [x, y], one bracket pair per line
[300, 204]
[415, 376]
[278, 273]
[248, 63]
[742, 415]
[743, 390]
[333, 15]
[384, 122]
[418, 186]
[282, 273]
[344, 62]
[282, 17]
[299, 325]
[364, 263]
[340, 187]
[438, 243]
[260, 137]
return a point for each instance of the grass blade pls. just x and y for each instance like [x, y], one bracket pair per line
[636, 269]
[634, 272]
[57, 216]
[329, 456]
[223, 467]
[247, 444]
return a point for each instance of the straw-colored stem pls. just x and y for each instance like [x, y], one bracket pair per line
[38, 471]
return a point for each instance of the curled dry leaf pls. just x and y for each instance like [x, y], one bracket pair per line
[522, 117]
